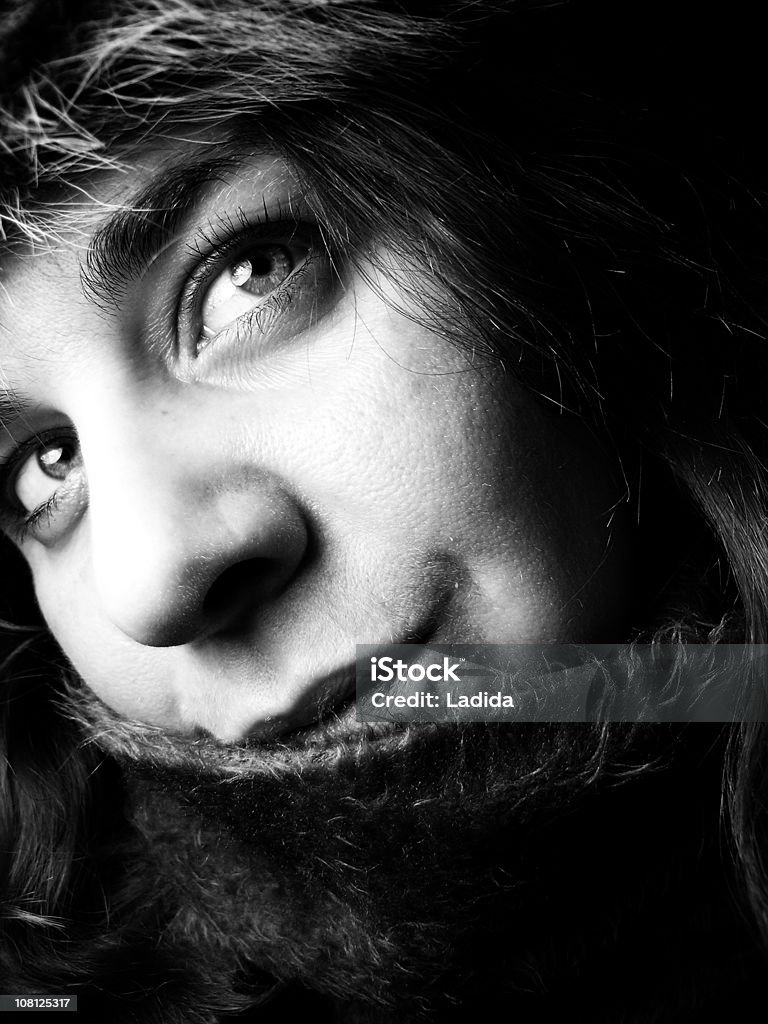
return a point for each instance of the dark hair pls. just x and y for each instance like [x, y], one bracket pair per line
[575, 188]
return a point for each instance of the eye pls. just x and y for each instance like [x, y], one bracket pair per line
[254, 288]
[251, 283]
[42, 473]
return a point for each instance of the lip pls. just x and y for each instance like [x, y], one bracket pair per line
[323, 698]
[337, 726]
[328, 715]
[331, 720]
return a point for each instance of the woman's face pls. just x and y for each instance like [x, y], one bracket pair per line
[228, 459]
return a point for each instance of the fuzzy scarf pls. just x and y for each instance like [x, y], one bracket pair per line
[436, 874]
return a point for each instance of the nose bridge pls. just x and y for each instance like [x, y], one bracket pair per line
[147, 450]
[173, 504]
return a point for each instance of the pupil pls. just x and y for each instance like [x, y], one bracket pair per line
[262, 265]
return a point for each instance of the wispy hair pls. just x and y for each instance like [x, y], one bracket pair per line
[585, 202]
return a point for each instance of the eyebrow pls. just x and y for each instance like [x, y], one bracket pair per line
[126, 243]
[12, 407]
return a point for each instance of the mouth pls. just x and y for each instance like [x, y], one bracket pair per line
[333, 714]
[329, 715]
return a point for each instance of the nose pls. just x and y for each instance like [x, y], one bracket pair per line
[189, 534]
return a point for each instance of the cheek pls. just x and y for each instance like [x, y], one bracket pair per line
[420, 455]
[386, 435]
[519, 500]
[133, 680]
[420, 464]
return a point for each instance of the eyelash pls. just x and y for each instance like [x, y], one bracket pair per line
[31, 519]
[216, 245]
[277, 303]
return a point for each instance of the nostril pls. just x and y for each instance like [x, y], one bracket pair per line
[239, 587]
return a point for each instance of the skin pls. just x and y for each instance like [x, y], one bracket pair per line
[240, 517]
